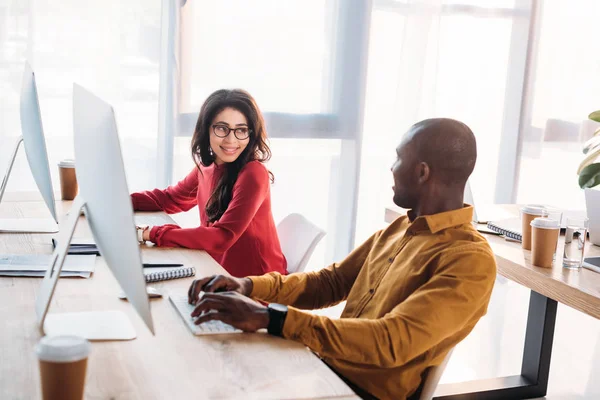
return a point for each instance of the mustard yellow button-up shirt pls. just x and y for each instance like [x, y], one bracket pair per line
[413, 291]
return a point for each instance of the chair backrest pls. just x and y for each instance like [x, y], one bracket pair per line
[298, 237]
[433, 378]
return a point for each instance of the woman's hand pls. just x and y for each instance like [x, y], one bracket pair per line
[146, 233]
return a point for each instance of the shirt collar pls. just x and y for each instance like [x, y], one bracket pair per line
[438, 222]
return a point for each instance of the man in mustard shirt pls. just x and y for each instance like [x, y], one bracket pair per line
[413, 290]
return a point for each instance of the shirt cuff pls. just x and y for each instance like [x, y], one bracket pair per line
[262, 286]
[153, 233]
[298, 325]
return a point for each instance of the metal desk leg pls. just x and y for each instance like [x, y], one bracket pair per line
[533, 381]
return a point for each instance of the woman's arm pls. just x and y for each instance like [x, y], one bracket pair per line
[174, 199]
[249, 192]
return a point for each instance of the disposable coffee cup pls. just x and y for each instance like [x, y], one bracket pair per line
[68, 179]
[63, 364]
[544, 238]
[528, 213]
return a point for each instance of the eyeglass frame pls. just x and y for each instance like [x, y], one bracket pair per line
[229, 131]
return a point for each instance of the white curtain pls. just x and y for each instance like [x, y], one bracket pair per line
[438, 58]
[109, 46]
[403, 49]
[301, 60]
[564, 88]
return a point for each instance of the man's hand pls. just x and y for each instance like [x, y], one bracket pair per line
[232, 308]
[219, 283]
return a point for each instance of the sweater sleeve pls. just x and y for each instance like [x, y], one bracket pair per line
[174, 199]
[313, 290]
[457, 295]
[249, 192]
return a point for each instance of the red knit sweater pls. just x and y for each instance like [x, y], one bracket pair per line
[244, 240]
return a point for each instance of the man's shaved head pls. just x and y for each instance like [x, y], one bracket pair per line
[447, 146]
[435, 158]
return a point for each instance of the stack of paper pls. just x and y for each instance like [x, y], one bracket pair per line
[37, 264]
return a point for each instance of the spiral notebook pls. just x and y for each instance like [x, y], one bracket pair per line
[170, 273]
[511, 228]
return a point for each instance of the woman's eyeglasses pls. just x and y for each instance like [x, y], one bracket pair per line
[223, 131]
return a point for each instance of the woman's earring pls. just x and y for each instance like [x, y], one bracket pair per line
[210, 151]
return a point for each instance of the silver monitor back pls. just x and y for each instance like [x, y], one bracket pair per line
[468, 199]
[34, 140]
[592, 199]
[103, 186]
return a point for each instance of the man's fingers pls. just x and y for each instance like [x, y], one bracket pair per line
[196, 288]
[216, 316]
[218, 282]
[209, 304]
[223, 297]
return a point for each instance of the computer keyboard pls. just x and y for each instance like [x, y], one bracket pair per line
[207, 328]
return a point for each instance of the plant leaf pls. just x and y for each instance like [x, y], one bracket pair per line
[590, 158]
[590, 176]
[591, 144]
[595, 116]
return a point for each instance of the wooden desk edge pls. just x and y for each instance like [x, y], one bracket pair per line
[560, 291]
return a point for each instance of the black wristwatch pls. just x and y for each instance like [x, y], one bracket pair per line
[277, 314]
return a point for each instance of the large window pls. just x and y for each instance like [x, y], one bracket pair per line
[452, 59]
[564, 88]
[316, 68]
[304, 62]
[338, 82]
[111, 47]
[279, 51]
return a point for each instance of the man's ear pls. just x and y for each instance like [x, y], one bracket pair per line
[424, 172]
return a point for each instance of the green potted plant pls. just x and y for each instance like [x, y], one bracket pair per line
[589, 177]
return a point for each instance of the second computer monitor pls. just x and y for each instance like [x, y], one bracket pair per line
[34, 140]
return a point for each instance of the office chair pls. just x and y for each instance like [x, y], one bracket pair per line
[298, 237]
[434, 374]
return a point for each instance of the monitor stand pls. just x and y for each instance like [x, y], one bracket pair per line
[23, 225]
[92, 325]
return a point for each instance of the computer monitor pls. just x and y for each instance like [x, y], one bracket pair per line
[468, 199]
[37, 157]
[104, 196]
[592, 200]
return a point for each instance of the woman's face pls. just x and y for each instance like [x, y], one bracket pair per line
[229, 135]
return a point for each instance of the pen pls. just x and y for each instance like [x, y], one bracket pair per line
[158, 265]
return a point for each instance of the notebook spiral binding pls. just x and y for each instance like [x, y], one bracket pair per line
[508, 233]
[177, 273]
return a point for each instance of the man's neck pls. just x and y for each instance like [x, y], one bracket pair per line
[439, 201]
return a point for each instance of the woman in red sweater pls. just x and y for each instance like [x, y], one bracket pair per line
[230, 186]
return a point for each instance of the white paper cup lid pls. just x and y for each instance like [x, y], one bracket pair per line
[61, 348]
[68, 163]
[545, 223]
[533, 209]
